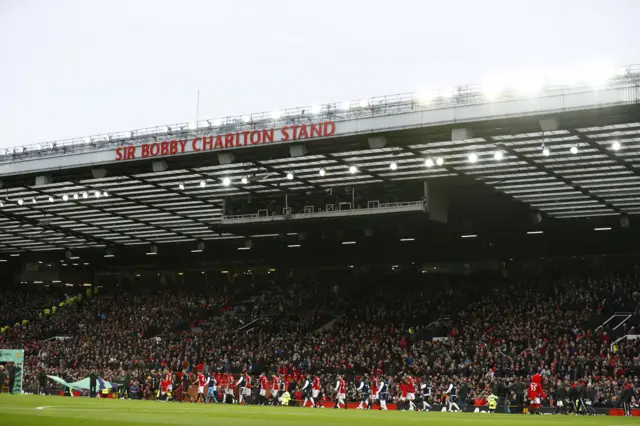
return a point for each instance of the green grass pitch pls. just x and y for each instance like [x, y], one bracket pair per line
[17, 410]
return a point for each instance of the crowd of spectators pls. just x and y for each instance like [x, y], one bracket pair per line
[482, 333]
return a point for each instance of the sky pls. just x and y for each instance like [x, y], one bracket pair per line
[72, 68]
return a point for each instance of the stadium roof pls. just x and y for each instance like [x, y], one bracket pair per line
[586, 169]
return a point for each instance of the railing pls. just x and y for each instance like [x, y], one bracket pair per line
[336, 111]
[330, 210]
[628, 337]
[624, 315]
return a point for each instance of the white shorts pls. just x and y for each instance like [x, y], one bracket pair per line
[374, 396]
[169, 388]
[229, 391]
[246, 391]
[560, 404]
[411, 397]
[274, 393]
[263, 392]
[341, 396]
[535, 401]
[315, 393]
[200, 389]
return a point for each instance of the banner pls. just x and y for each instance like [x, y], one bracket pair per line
[13, 358]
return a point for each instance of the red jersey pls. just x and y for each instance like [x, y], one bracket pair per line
[403, 389]
[342, 387]
[167, 377]
[535, 391]
[201, 379]
[264, 383]
[163, 385]
[374, 386]
[223, 382]
[275, 385]
[247, 381]
[411, 388]
[231, 380]
[316, 383]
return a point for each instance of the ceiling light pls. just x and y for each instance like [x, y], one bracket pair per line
[428, 162]
[322, 172]
[293, 245]
[226, 181]
[96, 194]
[606, 228]
[244, 180]
[65, 197]
[50, 199]
[499, 155]
[203, 183]
[615, 145]
[473, 157]
[468, 236]
[75, 195]
[407, 239]
[353, 170]
[439, 161]
[290, 176]
[545, 151]
[105, 194]
[15, 255]
[574, 149]
[346, 243]
[85, 195]
[244, 248]
[20, 201]
[33, 200]
[534, 232]
[181, 186]
[393, 165]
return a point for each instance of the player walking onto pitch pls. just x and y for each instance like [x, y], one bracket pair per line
[341, 389]
[535, 393]
[451, 395]
[201, 381]
[306, 391]
[426, 394]
[363, 388]
[383, 394]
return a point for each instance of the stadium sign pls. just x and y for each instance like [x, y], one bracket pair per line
[230, 140]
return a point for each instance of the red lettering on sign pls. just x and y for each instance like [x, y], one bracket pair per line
[194, 144]
[255, 137]
[329, 128]
[285, 133]
[228, 140]
[218, 144]
[267, 135]
[207, 143]
[303, 132]
[316, 130]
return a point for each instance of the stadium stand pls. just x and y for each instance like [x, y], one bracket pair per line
[382, 325]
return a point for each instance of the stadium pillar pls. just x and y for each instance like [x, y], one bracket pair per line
[298, 150]
[548, 124]
[99, 172]
[377, 142]
[436, 202]
[43, 180]
[461, 134]
[226, 158]
[159, 166]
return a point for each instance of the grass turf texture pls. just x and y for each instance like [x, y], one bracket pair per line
[18, 410]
